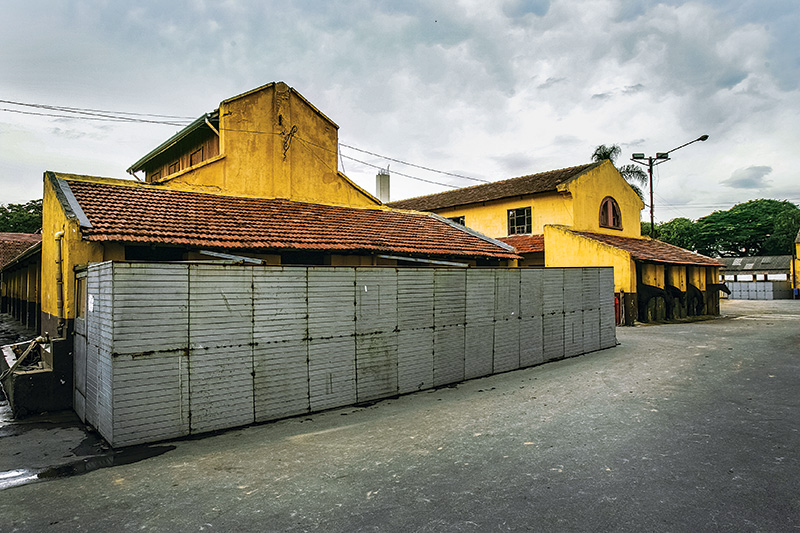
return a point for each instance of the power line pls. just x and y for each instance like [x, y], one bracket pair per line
[80, 113]
[413, 165]
[87, 110]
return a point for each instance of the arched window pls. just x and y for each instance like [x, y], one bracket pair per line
[610, 216]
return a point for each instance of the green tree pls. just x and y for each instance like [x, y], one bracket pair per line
[633, 174]
[678, 231]
[757, 227]
[21, 218]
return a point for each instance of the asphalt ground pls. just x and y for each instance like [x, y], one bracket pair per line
[682, 427]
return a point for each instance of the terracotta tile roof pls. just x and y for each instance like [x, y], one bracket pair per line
[13, 244]
[146, 214]
[525, 244]
[652, 250]
[532, 184]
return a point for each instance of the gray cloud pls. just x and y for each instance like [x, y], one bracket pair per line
[749, 178]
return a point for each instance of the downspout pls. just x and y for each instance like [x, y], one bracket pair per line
[59, 283]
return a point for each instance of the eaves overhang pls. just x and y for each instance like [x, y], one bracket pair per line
[172, 141]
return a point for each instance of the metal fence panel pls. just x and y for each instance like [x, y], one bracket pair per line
[553, 291]
[414, 298]
[481, 297]
[450, 302]
[376, 300]
[531, 292]
[281, 379]
[591, 330]
[553, 336]
[415, 359]
[507, 292]
[448, 355]
[506, 345]
[221, 387]
[531, 349]
[331, 302]
[573, 333]
[280, 307]
[332, 372]
[478, 349]
[149, 397]
[376, 366]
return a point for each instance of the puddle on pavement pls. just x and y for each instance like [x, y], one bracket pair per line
[14, 478]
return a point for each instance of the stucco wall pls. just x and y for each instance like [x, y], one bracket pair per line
[565, 249]
[274, 144]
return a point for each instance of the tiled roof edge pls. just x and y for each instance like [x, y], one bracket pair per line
[68, 201]
[472, 232]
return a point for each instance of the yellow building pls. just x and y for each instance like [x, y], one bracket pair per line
[796, 267]
[586, 215]
[255, 180]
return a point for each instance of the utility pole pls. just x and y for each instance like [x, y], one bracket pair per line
[650, 162]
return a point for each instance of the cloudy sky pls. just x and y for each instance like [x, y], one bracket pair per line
[476, 88]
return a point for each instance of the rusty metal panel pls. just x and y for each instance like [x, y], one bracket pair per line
[448, 354]
[376, 366]
[506, 344]
[414, 298]
[531, 350]
[332, 372]
[376, 300]
[450, 289]
[331, 302]
[531, 292]
[573, 333]
[479, 349]
[281, 379]
[150, 399]
[280, 307]
[415, 359]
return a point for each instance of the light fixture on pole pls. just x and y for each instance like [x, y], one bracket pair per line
[650, 162]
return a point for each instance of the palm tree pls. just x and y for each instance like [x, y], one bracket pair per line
[633, 174]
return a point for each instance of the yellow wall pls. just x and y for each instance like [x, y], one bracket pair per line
[274, 144]
[590, 189]
[576, 204]
[676, 276]
[653, 274]
[696, 275]
[796, 267]
[565, 249]
[491, 218]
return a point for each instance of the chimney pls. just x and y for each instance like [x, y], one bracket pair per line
[382, 185]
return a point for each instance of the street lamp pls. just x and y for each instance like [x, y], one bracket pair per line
[650, 162]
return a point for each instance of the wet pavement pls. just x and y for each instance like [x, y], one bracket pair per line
[683, 427]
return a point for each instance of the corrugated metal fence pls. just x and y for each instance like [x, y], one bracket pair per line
[174, 349]
[759, 290]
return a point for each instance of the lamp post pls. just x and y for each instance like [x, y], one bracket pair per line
[650, 162]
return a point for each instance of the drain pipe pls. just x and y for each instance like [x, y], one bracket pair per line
[59, 283]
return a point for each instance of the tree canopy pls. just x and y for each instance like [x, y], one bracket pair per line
[757, 227]
[633, 174]
[21, 218]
